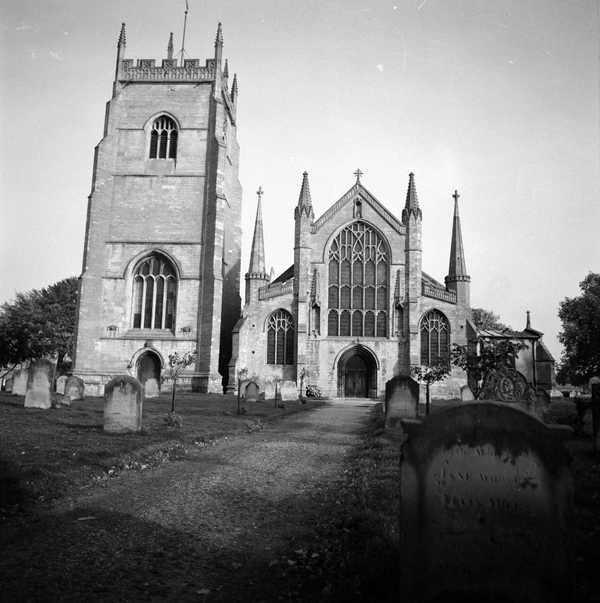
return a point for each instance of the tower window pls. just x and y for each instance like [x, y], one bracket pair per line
[280, 338]
[358, 281]
[435, 339]
[154, 294]
[163, 138]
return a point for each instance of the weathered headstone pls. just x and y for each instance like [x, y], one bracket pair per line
[269, 391]
[8, 385]
[466, 395]
[401, 399]
[288, 391]
[123, 400]
[151, 389]
[74, 388]
[485, 510]
[39, 384]
[60, 384]
[20, 382]
[251, 392]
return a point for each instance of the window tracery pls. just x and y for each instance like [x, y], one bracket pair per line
[280, 338]
[163, 138]
[435, 339]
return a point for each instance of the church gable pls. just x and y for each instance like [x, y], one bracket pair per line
[358, 197]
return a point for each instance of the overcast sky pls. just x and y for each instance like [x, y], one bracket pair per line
[497, 98]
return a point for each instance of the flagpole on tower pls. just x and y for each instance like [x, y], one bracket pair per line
[184, 26]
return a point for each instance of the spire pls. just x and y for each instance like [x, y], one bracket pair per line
[304, 199]
[170, 47]
[122, 37]
[257, 254]
[219, 38]
[412, 202]
[234, 88]
[457, 269]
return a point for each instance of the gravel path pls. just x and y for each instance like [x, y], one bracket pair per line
[231, 522]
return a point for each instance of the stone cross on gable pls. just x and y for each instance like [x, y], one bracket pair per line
[455, 196]
[358, 174]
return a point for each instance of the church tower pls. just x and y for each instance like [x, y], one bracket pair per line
[161, 262]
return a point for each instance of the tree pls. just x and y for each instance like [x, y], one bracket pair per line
[486, 319]
[580, 335]
[429, 375]
[177, 364]
[487, 355]
[38, 324]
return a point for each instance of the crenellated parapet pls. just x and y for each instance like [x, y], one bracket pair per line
[146, 70]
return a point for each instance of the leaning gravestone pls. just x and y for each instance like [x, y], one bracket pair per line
[20, 378]
[269, 391]
[288, 391]
[74, 388]
[39, 383]
[486, 504]
[60, 384]
[123, 399]
[401, 399]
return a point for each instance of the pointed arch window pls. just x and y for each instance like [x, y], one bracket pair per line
[435, 339]
[280, 338]
[358, 282]
[154, 293]
[163, 138]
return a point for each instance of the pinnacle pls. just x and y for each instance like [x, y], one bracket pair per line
[219, 38]
[226, 69]
[234, 87]
[122, 37]
[304, 199]
[170, 46]
[412, 202]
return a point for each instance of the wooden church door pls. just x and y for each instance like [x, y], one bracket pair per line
[356, 378]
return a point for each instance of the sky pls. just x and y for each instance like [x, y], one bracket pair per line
[496, 98]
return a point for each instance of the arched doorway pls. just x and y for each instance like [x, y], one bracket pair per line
[148, 373]
[357, 374]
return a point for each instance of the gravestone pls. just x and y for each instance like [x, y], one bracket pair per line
[401, 399]
[466, 395]
[486, 505]
[60, 384]
[288, 391]
[151, 389]
[8, 385]
[269, 391]
[123, 399]
[506, 385]
[20, 382]
[39, 383]
[251, 392]
[74, 388]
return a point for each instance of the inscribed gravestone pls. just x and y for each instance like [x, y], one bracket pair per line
[60, 384]
[123, 401]
[41, 375]
[485, 507]
[401, 399]
[20, 382]
[269, 391]
[251, 392]
[151, 389]
[74, 388]
[288, 391]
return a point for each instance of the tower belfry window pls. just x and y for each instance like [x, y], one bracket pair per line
[163, 138]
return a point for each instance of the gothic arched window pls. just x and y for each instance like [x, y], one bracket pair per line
[163, 138]
[154, 293]
[358, 283]
[435, 339]
[280, 338]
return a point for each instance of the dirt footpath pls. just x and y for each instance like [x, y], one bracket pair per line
[242, 520]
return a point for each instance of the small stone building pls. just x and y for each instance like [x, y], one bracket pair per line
[355, 308]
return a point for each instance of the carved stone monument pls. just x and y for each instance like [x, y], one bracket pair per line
[269, 390]
[39, 384]
[506, 385]
[60, 384]
[485, 512]
[401, 399]
[123, 399]
[288, 391]
[74, 388]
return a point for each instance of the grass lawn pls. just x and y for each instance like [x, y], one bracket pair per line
[44, 453]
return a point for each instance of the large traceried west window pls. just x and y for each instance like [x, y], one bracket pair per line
[358, 283]
[163, 138]
[154, 293]
[435, 339]
[280, 338]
